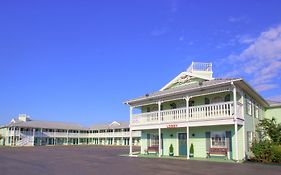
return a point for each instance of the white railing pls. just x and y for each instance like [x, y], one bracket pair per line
[203, 112]
[73, 135]
[150, 117]
[197, 66]
[211, 111]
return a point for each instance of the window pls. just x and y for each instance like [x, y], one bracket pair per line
[173, 105]
[218, 139]
[191, 103]
[256, 111]
[249, 139]
[248, 106]
[207, 101]
[227, 98]
[153, 140]
[217, 99]
[148, 109]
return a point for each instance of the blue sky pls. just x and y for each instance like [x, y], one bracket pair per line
[77, 61]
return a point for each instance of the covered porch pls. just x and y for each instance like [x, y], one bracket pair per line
[203, 139]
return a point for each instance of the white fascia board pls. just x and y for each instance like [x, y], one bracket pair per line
[198, 76]
[181, 74]
[172, 81]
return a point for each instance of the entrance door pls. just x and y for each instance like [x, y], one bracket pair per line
[182, 144]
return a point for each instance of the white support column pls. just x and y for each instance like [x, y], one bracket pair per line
[159, 112]
[187, 142]
[244, 141]
[41, 136]
[78, 137]
[98, 134]
[131, 138]
[14, 136]
[187, 126]
[113, 137]
[160, 143]
[33, 135]
[55, 140]
[19, 134]
[235, 122]
[67, 138]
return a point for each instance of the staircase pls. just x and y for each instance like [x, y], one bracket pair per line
[25, 140]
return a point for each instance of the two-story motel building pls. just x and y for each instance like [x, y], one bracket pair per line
[24, 131]
[195, 108]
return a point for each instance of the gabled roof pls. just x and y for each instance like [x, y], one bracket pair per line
[45, 124]
[274, 103]
[185, 88]
[198, 70]
[113, 125]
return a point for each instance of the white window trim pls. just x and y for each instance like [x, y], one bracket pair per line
[211, 145]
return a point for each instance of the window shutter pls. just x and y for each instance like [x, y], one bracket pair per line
[229, 141]
[208, 141]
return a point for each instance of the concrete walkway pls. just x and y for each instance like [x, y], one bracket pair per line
[99, 160]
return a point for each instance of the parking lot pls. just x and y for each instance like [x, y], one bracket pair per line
[106, 160]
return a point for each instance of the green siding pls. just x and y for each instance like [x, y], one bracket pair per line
[170, 136]
[274, 112]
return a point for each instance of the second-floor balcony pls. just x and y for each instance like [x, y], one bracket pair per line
[196, 113]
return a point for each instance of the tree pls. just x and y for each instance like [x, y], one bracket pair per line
[268, 149]
[270, 129]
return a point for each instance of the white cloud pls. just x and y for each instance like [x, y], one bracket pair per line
[275, 98]
[237, 19]
[261, 59]
[159, 31]
[181, 38]
[245, 39]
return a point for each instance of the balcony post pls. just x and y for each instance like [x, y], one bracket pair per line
[14, 136]
[98, 137]
[243, 135]
[159, 111]
[67, 138]
[41, 134]
[187, 126]
[160, 143]
[33, 134]
[235, 121]
[113, 137]
[131, 138]
[159, 130]
[19, 135]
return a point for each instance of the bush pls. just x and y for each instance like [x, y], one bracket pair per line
[171, 148]
[262, 151]
[266, 152]
[191, 150]
[276, 154]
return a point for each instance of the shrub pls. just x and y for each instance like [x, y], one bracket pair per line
[171, 148]
[266, 152]
[191, 150]
[276, 154]
[262, 151]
